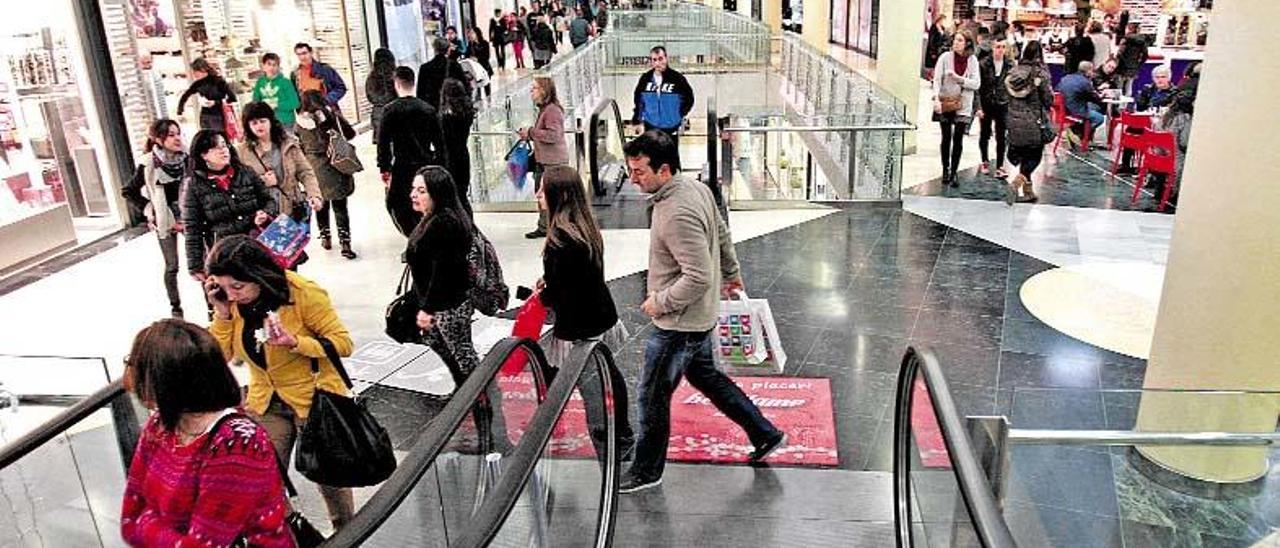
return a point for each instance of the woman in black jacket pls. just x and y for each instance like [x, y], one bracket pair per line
[457, 113]
[213, 92]
[437, 257]
[380, 87]
[573, 286]
[1030, 97]
[223, 198]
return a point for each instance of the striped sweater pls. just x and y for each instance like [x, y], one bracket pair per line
[207, 493]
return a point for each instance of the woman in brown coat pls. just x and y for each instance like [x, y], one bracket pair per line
[547, 136]
[277, 158]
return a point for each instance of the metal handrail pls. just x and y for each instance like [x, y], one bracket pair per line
[439, 432]
[593, 154]
[520, 464]
[1129, 437]
[988, 521]
[811, 129]
[51, 428]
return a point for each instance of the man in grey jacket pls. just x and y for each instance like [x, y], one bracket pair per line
[691, 263]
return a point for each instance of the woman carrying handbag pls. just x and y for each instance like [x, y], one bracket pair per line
[955, 79]
[278, 323]
[547, 136]
[315, 120]
[276, 157]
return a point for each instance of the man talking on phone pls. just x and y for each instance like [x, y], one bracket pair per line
[691, 264]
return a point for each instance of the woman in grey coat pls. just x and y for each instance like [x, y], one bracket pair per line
[315, 120]
[955, 79]
[379, 87]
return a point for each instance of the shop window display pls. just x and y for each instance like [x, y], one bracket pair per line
[55, 182]
[233, 34]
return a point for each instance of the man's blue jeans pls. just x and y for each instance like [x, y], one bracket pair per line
[668, 355]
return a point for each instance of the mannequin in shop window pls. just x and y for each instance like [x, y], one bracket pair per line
[213, 94]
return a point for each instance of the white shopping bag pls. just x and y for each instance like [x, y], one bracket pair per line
[746, 337]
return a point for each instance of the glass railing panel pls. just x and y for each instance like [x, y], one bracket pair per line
[443, 502]
[561, 503]
[940, 516]
[68, 490]
[1085, 492]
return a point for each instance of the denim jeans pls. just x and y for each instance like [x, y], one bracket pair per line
[668, 355]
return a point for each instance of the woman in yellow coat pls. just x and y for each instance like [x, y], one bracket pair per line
[272, 320]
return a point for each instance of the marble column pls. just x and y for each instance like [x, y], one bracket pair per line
[901, 50]
[771, 13]
[1220, 310]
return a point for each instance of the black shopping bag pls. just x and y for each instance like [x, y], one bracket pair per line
[342, 445]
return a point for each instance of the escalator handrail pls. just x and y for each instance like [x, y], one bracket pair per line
[519, 466]
[593, 154]
[428, 446]
[51, 428]
[989, 522]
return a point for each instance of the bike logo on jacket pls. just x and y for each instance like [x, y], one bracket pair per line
[665, 88]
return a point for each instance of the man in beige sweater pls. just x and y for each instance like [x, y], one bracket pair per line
[691, 263]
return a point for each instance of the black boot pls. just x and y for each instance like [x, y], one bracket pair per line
[346, 249]
[326, 242]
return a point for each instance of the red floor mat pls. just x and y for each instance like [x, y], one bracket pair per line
[801, 407]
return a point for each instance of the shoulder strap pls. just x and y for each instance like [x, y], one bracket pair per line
[331, 353]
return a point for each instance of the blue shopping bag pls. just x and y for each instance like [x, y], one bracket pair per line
[519, 162]
[286, 239]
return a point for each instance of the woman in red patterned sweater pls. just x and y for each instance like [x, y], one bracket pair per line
[203, 474]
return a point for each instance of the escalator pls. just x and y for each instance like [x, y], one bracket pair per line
[507, 461]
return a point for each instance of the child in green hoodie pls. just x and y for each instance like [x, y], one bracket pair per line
[277, 90]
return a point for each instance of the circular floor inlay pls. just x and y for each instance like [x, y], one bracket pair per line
[1109, 305]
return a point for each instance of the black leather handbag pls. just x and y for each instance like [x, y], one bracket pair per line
[342, 445]
[402, 313]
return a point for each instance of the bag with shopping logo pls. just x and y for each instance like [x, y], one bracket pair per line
[286, 239]
[747, 340]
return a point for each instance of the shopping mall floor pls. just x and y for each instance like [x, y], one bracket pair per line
[1038, 312]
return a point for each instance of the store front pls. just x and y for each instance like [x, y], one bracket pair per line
[234, 34]
[60, 153]
[855, 24]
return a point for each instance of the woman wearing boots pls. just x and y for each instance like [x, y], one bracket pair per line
[277, 158]
[315, 120]
[1030, 98]
[955, 79]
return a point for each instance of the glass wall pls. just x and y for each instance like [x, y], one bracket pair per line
[855, 24]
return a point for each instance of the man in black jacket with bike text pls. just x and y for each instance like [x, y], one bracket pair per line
[410, 138]
[663, 96]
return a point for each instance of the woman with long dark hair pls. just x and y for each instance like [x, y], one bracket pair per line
[457, 113]
[380, 87]
[316, 118]
[165, 169]
[212, 91]
[276, 157]
[202, 473]
[223, 198]
[573, 286]
[273, 320]
[1030, 98]
[437, 256]
[955, 79]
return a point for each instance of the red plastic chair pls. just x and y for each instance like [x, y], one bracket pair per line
[1160, 155]
[1065, 121]
[1132, 127]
